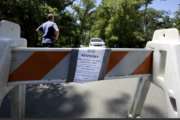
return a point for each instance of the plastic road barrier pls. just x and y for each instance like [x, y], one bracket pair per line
[157, 63]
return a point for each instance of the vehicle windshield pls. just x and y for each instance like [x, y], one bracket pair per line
[99, 45]
[96, 40]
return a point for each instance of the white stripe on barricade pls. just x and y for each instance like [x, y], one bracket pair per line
[18, 58]
[59, 71]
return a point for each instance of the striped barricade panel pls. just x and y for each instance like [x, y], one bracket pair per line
[58, 64]
[30, 64]
[125, 62]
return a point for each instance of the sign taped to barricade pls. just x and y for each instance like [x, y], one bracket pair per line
[89, 63]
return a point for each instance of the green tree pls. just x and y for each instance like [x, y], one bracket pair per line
[31, 13]
[84, 15]
[69, 31]
[119, 22]
[177, 19]
[128, 23]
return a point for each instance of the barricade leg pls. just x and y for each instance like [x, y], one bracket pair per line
[4, 92]
[166, 67]
[139, 97]
[18, 102]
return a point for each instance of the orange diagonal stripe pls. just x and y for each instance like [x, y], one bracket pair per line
[145, 67]
[115, 58]
[37, 66]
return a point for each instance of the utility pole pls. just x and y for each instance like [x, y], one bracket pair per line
[145, 14]
[145, 18]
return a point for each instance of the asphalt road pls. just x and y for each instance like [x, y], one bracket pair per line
[102, 99]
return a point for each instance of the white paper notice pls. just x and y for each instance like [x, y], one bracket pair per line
[89, 64]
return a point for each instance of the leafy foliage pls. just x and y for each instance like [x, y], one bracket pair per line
[84, 15]
[177, 18]
[30, 13]
[121, 23]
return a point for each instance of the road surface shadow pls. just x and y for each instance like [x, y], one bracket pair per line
[118, 107]
[50, 101]
[63, 101]
[53, 102]
[153, 112]
[5, 107]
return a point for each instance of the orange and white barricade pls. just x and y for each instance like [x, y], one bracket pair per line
[44, 65]
[36, 65]
[22, 65]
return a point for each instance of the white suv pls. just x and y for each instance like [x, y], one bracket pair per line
[96, 42]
